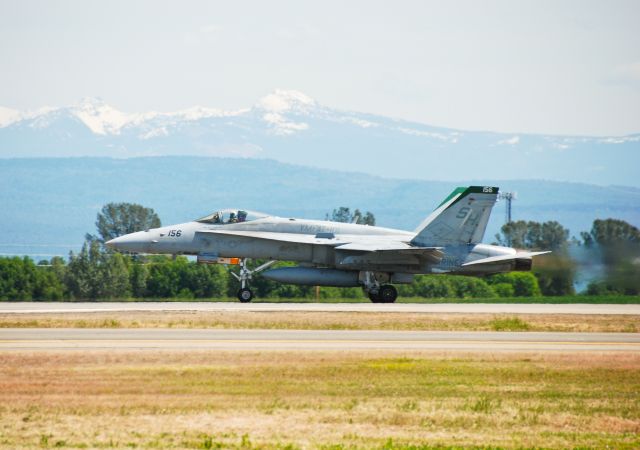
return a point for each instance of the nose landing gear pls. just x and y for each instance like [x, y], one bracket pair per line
[245, 294]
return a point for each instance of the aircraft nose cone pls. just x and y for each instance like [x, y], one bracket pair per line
[113, 243]
[134, 242]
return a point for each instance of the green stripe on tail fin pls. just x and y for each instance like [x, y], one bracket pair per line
[460, 219]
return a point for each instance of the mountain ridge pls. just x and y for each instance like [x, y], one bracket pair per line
[289, 126]
[280, 100]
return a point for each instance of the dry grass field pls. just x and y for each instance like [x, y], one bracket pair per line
[328, 321]
[336, 400]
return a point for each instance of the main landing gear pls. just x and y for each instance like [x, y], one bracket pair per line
[378, 293]
[245, 294]
[386, 294]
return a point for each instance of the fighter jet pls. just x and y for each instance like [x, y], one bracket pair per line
[341, 254]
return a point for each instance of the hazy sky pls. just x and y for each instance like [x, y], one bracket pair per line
[565, 67]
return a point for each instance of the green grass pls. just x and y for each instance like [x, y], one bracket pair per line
[334, 320]
[509, 324]
[567, 299]
[591, 299]
[325, 400]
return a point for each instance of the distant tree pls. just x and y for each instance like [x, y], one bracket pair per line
[50, 280]
[611, 232]
[206, 280]
[513, 234]
[114, 277]
[58, 267]
[525, 284]
[94, 273]
[431, 287]
[555, 272]
[446, 286]
[117, 219]
[15, 279]
[503, 289]
[343, 214]
[138, 275]
[21, 279]
[81, 277]
[364, 219]
[336, 292]
[163, 279]
[549, 235]
[470, 287]
[617, 244]
[181, 278]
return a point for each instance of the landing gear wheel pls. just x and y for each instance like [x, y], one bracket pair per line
[375, 298]
[245, 295]
[387, 294]
[244, 277]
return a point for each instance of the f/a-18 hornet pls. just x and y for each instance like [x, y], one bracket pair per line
[341, 254]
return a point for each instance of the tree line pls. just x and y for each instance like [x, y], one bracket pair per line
[609, 254]
[94, 274]
[98, 273]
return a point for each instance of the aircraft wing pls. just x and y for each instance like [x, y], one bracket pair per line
[374, 246]
[272, 236]
[344, 243]
[501, 258]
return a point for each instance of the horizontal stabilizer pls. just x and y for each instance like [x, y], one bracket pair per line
[433, 254]
[504, 258]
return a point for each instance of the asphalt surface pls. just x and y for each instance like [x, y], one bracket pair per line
[469, 308]
[53, 339]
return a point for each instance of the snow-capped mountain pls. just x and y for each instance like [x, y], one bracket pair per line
[292, 127]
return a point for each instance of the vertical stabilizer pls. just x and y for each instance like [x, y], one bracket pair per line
[460, 219]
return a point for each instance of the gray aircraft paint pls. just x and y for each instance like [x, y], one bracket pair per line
[447, 241]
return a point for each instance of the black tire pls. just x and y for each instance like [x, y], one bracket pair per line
[245, 295]
[388, 294]
[375, 298]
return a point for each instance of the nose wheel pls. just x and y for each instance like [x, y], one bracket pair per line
[245, 294]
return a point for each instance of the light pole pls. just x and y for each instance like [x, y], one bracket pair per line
[509, 197]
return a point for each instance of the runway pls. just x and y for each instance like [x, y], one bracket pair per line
[466, 308]
[52, 339]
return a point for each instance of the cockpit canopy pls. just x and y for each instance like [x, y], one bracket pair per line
[230, 215]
